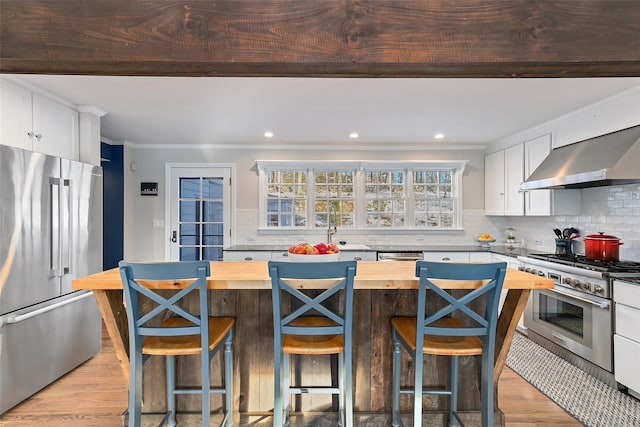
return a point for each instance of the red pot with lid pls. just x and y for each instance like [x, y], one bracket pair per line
[602, 247]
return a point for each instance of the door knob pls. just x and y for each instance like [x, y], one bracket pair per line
[174, 236]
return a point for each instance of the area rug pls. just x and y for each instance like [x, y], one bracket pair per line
[589, 400]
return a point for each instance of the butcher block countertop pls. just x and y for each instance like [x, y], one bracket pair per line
[370, 275]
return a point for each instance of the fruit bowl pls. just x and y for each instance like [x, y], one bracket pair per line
[313, 258]
[484, 241]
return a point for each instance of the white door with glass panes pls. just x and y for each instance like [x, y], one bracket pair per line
[199, 212]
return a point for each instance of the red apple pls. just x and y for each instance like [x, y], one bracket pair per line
[333, 247]
[322, 248]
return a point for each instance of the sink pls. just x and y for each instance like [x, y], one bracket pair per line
[353, 247]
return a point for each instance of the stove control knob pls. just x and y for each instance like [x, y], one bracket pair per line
[566, 280]
[598, 289]
[541, 273]
[574, 283]
[587, 286]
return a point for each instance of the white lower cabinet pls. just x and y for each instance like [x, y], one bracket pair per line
[480, 256]
[446, 256]
[247, 255]
[358, 255]
[626, 341]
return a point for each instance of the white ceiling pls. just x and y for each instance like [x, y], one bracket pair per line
[302, 111]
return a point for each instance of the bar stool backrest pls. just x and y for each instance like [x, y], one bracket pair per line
[194, 272]
[483, 325]
[342, 271]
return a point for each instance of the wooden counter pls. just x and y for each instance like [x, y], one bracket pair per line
[384, 290]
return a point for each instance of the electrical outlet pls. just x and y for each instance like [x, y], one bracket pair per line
[538, 242]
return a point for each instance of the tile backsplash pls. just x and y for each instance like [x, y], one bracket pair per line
[612, 210]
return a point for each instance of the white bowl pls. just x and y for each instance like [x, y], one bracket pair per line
[313, 258]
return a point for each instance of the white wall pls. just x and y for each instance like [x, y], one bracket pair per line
[144, 242]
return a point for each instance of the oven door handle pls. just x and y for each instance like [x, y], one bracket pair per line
[603, 304]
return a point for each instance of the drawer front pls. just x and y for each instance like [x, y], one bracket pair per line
[627, 322]
[626, 294]
[247, 255]
[447, 256]
[626, 362]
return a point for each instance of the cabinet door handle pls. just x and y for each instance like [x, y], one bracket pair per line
[446, 259]
[30, 134]
[38, 136]
[248, 258]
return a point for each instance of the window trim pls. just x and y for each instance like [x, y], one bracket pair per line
[409, 166]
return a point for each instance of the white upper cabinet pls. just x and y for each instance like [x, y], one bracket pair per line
[546, 202]
[35, 122]
[15, 115]
[504, 172]
[494, 199]
[537, 202]
[506, 169]
[514, 175]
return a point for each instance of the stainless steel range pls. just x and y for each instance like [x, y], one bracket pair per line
[576, 317]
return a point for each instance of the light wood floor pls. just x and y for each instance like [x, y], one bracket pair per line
[95, 395]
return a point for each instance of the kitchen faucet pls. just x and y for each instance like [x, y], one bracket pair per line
[333, 229]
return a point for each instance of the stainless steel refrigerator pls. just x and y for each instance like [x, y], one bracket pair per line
[50, 233]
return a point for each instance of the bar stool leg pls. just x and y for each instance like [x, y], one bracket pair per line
[228, 378]
[395, 412]
[135, 390]
[486, 392]
[286, 384]
[348, 385]
[277, 388]
[341, 394]
[206, 387]
[170, 362]
[453, 403]
[417, 397]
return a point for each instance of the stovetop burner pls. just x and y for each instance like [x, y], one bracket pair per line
[580, 261]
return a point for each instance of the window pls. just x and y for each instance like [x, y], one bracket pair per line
[386, 200]
[286, 198]
[361, 195]
[334, 194]
[434, 199]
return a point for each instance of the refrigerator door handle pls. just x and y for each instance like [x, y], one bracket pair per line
[54, 236]
[17, 318]
[65, 226]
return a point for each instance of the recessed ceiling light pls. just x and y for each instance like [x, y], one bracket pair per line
[439, 135]
[268, 134]
[353, 135]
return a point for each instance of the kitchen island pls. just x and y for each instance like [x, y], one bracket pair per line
[383, 290]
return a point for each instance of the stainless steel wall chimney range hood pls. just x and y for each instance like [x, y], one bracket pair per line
[611, 159]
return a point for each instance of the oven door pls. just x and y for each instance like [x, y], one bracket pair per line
[579, 322]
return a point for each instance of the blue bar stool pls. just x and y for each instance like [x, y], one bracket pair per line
[312, 328]
[468, 334]
[183, 333]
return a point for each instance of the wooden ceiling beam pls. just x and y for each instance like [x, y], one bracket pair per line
[328, 38]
